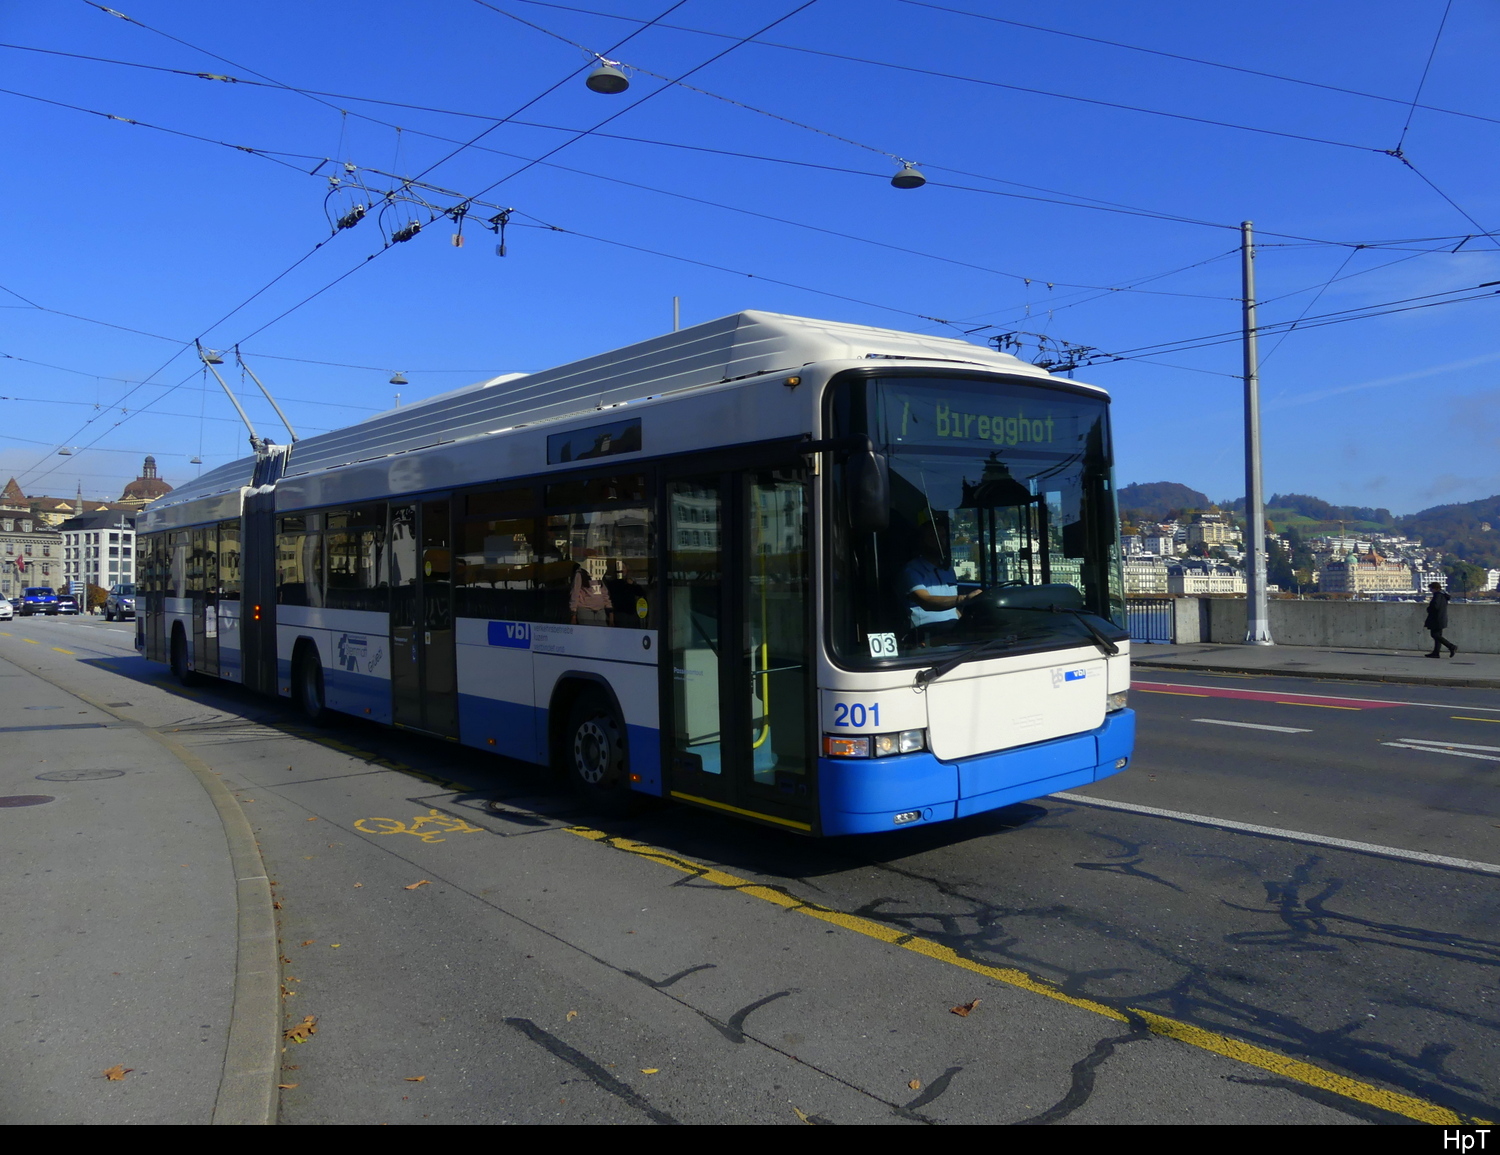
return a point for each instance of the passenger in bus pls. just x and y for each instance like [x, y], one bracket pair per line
[588, 602]
[626, 598]
[931, 587]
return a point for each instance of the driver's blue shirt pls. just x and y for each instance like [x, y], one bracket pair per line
[940, 581]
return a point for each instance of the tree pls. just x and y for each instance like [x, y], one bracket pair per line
[1463, 577]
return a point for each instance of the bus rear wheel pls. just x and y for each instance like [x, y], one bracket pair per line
[179, 659]
[594, 757]
[307, 685]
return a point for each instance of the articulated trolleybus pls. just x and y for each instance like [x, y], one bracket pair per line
[832, 578]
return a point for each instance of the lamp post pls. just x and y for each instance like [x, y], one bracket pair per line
[1257, 615]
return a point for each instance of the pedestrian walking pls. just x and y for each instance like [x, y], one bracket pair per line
[1437, 622]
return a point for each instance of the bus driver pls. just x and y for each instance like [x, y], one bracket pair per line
[931, 586]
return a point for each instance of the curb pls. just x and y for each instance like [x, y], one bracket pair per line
[1326, 675]
[247, 1086]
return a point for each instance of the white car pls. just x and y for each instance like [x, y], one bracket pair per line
[7, 611]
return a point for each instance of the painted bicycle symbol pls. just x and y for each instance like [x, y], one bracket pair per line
[429, 827]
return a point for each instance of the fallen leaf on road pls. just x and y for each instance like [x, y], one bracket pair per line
[572, 1015]
[276, 905]
[964, 1009]
[801, 1114]
[915, 1084]
[358, 884]
[314, 818]
[413, 886]
[285, 1086]
[308, 941]
[334, 945]
[416, 1078]
[303, 1031]
[117, 1073]
[650, 1070]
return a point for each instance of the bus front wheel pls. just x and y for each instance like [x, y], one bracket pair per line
[594, 754]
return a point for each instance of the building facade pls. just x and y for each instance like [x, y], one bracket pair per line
[1211, 529]
[1145, 574]
[1365, 574]
[99, 548]
[1213, 579]
[30, 554]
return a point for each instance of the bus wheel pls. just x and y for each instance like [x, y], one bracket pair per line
[308, 685]
[179, 659]
[594, 755]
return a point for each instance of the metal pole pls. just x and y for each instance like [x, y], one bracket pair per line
[1257, 616]
[676, 313]
[267, 392]
[255, 442]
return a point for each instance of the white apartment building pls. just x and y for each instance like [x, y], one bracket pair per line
[99, 548]
[1219, 579]
[1145, 573]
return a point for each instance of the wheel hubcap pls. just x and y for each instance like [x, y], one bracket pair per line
[591, 750]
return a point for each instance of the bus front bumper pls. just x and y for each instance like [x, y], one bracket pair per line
[867, 795]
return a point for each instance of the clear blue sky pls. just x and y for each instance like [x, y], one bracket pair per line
[166, 234]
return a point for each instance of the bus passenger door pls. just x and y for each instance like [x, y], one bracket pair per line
[423, 679]
[738, 591]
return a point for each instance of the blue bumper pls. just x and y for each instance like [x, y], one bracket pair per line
[863, 796]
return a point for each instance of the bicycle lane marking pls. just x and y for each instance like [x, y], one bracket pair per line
[1259, 1057]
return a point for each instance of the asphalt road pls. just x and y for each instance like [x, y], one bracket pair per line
[449, 916]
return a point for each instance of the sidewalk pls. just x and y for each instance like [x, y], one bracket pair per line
[1480, 671]
[118, 924]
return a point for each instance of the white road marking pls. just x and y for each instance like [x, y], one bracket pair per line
[1290, 835]
[1326, 697]
[1454, 745]
[1446, 750]
[1253, 726]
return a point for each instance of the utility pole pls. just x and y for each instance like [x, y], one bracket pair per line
[1257, 615]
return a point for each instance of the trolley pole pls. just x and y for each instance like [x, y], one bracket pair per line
[1257, 616]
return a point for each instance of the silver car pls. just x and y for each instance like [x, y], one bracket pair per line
[7, 611]
[120, 603]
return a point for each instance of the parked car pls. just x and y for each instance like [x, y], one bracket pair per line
[120, 603]
[7, 611]
[38, 600]
[67, 604]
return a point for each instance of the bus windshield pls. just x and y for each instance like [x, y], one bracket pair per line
[1002, 522]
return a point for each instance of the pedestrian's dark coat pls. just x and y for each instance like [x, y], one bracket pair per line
[1437, 612]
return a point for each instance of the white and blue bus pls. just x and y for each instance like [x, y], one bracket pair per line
[832, 578]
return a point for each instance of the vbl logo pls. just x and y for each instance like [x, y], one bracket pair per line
[514, 634]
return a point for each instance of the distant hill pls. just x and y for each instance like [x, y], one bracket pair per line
[1314, 515]
[1158, 500]
[1470, 531]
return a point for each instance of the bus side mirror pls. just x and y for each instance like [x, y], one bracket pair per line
[868, 487]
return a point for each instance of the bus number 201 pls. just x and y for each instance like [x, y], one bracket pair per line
[856, 714]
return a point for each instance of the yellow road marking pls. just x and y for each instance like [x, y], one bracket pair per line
[1461, 718]
[60, 650]
[31, 641]
[1247, 1053]
[737, 810]
[1319, 705]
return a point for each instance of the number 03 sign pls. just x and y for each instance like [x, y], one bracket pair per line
[882, 645]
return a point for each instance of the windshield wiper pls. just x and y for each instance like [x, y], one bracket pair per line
[927, 677]
[1103, 641]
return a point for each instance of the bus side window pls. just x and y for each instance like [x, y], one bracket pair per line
[602, 567]
[494, 564]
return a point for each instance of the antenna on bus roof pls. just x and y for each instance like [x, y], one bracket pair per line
[210, 358]
[267, 392]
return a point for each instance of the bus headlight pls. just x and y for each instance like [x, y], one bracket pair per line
[1115, 702]
[876, 745]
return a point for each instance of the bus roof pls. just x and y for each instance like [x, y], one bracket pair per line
[740, 345]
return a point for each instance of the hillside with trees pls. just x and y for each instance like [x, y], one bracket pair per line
[1470, 531]
[1159, 500]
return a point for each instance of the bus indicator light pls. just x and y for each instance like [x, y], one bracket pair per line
[837, 747]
